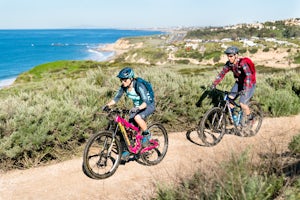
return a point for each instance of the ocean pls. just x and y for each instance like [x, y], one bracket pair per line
[21, 50]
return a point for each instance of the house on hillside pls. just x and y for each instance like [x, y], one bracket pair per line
[248, 43]
[226, 40]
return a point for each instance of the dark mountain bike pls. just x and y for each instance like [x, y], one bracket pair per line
[102, 153]
[220, 120]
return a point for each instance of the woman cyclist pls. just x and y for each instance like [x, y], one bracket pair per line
[144, 105]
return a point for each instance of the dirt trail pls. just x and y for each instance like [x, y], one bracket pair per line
[132, 181]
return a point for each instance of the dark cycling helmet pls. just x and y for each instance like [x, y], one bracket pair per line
[126, 73]
[232, 50]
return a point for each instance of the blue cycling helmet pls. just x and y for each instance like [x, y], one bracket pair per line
[232, 50]
[126, 73]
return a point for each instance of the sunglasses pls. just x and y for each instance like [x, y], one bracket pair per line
[123, 79]
[230, 56]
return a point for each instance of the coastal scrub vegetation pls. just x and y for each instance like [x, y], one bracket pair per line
[237, 178]
[46, 117]
[57, 70]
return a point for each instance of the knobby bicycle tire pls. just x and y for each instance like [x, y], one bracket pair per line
[155, 156]
[97, 164]
[212, 126]
[253, 128]
[88, 174]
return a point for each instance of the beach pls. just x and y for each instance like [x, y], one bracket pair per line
[7, 82]
[119, 47]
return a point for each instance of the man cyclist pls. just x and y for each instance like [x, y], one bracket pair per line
[245, 78]
[144, 105]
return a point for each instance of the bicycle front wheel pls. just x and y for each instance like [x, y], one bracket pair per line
[212, 127]
[102, 155]
[160, 135]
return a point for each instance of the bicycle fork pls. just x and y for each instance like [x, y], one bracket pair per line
[105, 152]
[219, 122]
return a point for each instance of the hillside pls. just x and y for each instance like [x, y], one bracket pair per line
[277, 58]
[271, 44]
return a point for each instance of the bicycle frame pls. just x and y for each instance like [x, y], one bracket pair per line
[229, 101]
[123, 124]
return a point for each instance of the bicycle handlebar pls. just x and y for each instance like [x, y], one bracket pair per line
[228, 92]
[116, 110]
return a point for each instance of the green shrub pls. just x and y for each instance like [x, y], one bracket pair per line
[282, 98]
[243, 50]
[282, 103]
[253, 50]
[151, 55]
[185, 61]
[57, 70]
[47, 124]
[292, 192]
[191, 53]
[238, 178]
[297, 59]
[243, 180]
[217, 58]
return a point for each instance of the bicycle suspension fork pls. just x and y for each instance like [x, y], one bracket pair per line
[114, 137]
[227, 106]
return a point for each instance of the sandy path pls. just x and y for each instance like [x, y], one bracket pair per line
[133, 181]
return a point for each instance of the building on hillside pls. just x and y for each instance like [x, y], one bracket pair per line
[226, 40]
[248, 43]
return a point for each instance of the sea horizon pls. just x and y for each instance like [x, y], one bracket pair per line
[24, 49]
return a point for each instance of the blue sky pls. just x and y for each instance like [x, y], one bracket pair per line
[16, 14]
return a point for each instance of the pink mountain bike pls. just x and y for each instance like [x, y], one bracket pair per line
[102, 153]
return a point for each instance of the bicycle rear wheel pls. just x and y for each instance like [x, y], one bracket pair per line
[253, 126]
[212, 127]
[160, 135]
[101, 156]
